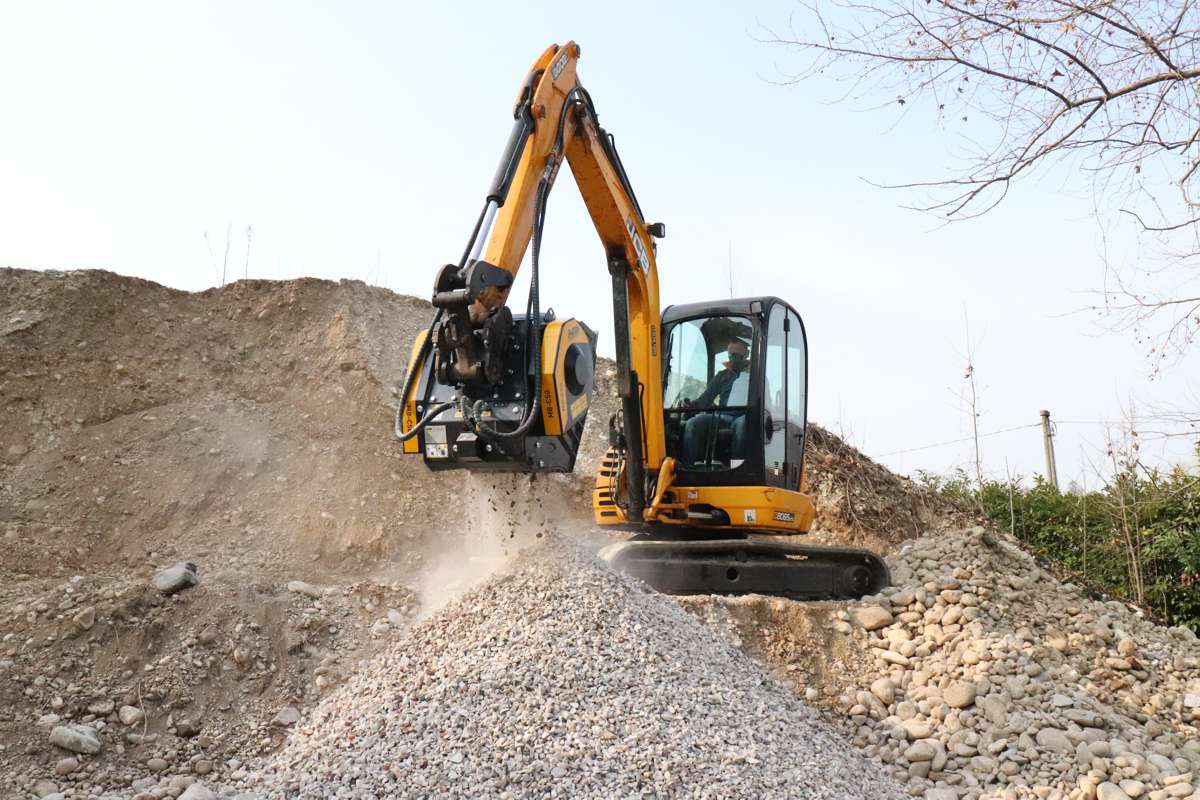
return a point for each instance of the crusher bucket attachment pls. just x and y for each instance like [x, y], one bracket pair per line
[515, 413]
[750, 566]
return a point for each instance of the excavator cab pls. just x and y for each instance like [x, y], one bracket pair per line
[734, 390]
[734, 399]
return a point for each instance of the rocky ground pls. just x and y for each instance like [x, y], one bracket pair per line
[246, 431]
[978, 674]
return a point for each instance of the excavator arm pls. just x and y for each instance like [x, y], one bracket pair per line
[467, 371]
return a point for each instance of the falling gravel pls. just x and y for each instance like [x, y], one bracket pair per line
[559, 678]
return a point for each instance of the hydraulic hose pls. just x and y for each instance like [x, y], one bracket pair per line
[609, 143]
[534, 340]
[425, 420]
[533, 308]
[424, 350]
[422, 353]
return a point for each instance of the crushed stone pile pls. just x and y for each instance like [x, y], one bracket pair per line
[560, 678]
[980, 675]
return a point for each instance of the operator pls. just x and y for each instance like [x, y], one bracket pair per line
[729, 387]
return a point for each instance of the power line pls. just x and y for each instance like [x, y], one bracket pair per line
[957, 441]
[1144, 432]
[1157, 434]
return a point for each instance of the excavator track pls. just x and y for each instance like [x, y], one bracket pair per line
[750, 566]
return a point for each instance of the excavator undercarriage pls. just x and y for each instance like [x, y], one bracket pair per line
[748, 565]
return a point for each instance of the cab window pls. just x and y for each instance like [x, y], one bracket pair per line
[707, 383]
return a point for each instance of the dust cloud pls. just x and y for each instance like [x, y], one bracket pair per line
[506, 514]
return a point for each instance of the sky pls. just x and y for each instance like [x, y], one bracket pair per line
[356, 140]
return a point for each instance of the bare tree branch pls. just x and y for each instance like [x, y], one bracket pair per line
[1174, 227]
[1110, 87]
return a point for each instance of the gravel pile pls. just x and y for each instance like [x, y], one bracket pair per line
[992, 679]
[560, 678]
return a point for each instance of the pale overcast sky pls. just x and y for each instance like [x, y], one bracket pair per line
[358, 140]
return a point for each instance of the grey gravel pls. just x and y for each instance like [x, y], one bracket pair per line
[560, 678]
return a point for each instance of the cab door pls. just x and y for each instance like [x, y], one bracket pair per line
[797, 397]
[774, 399]
[784, 398]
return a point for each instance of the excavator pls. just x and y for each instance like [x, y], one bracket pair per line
[705, 466]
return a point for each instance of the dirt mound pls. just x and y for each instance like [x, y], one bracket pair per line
[139, 419]
[864, 503]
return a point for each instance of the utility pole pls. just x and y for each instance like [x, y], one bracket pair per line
[970, 377]
[1048, 442]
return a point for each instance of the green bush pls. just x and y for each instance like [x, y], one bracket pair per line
[1138, 538]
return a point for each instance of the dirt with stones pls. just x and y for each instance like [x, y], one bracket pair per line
[247, 430]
